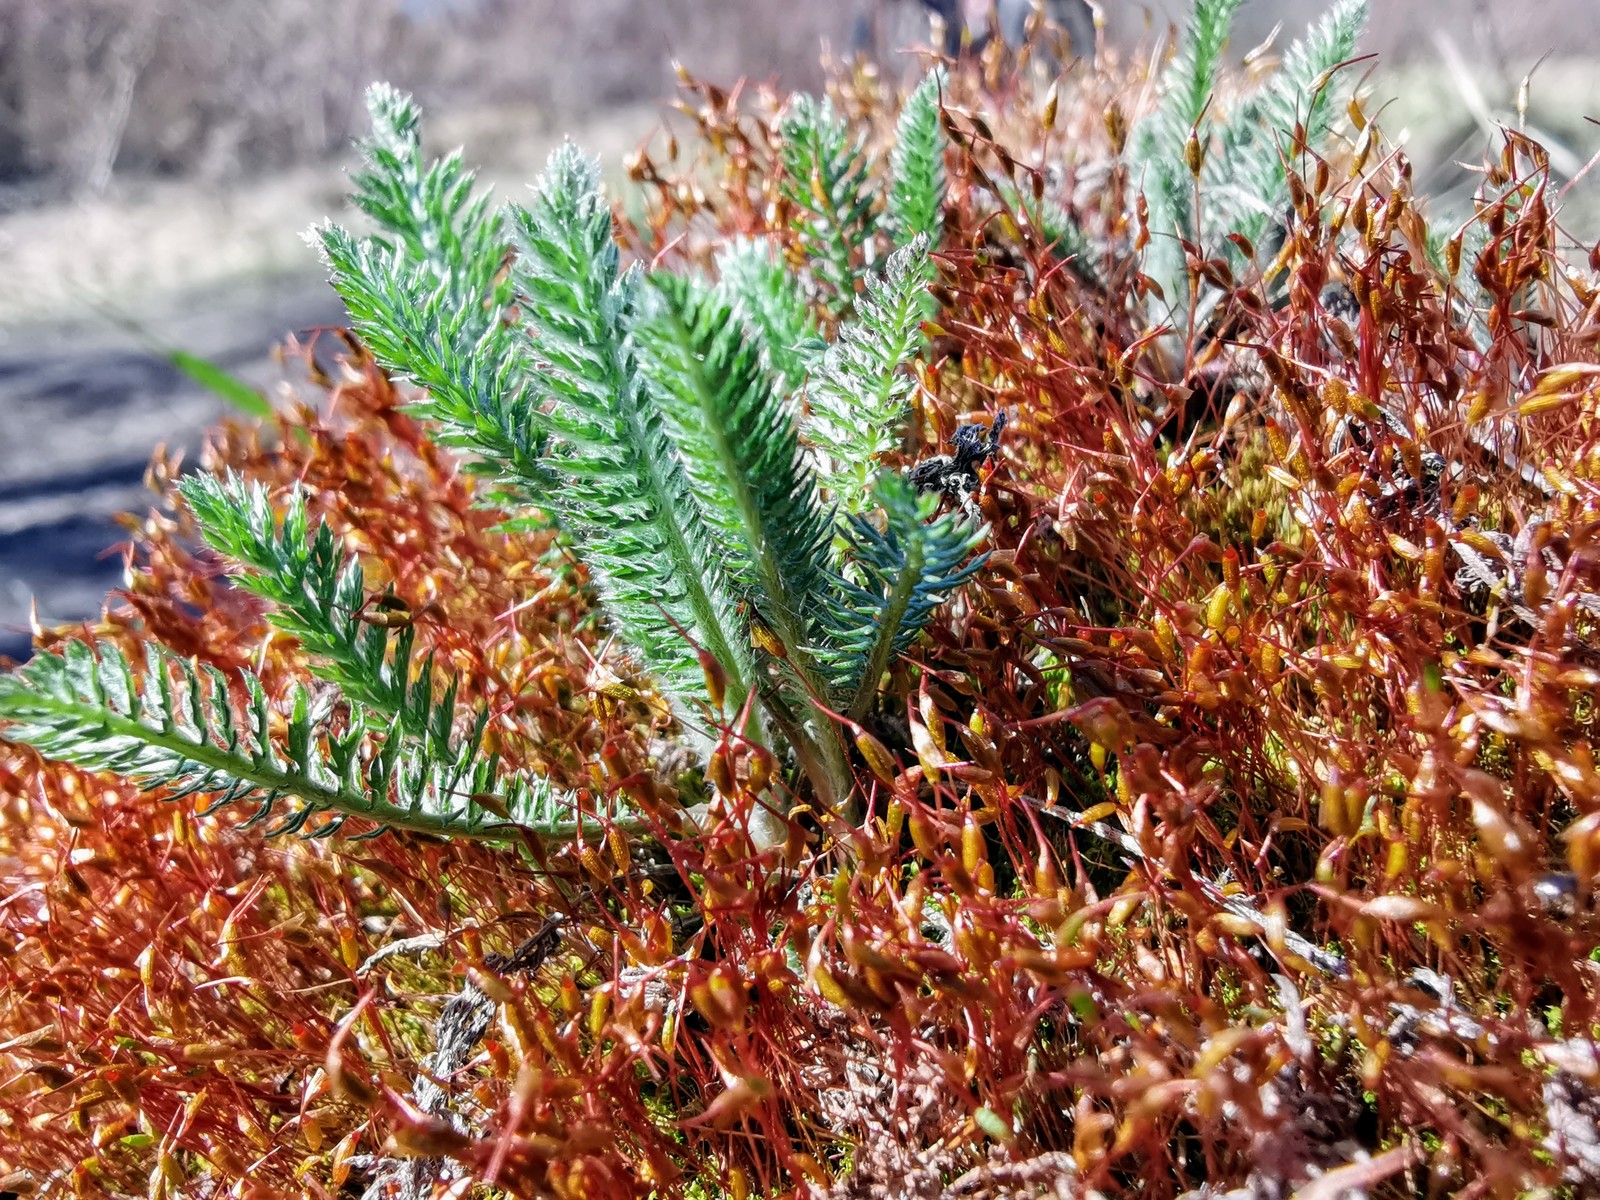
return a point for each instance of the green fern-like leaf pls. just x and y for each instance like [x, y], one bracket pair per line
[1245, 178]
[858, 399]
[428, 294]
[183, 728]
[623, 497]
[894, 580]
[755, 281]
[740, 447]
[1189, 80]
[825, 179]
[428, 211]
[476, 388]
[318, 594]
[916, 165]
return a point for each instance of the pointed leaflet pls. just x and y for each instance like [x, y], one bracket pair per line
[753, 279]
[624, 497]
[428, 294]
[825, 180]
[859, 397]
[916, 165]
[740, 448]
[894, 580]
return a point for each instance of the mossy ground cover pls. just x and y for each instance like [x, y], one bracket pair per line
[1234, 826]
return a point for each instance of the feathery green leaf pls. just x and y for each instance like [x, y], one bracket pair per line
[475, 377]
[318, 594]
[916, 165]
[1245, 177]
[428, 295]
[825, 179]
[625, 498]
[740, 448]
[858, 398]
[893, 581]
[181, 727]
[753, 279]
[1188, 82]
[427, 212]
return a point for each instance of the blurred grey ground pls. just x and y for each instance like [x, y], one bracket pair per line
[163, 159]
[78, 421]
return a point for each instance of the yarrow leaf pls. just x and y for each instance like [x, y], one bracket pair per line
[916, 165]
[624, 496]
[893, 581]
[825, 180]
[179, 728]
[859, 398]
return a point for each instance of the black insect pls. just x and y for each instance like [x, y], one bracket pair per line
[955, 475]
[531, 954]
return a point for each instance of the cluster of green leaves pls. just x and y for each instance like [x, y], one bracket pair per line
[859, 389]
[693, 441]
[689, 481]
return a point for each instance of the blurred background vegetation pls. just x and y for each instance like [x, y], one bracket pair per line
[159, 160]
[94, 90]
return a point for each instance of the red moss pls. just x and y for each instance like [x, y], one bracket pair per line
[1219, 619]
